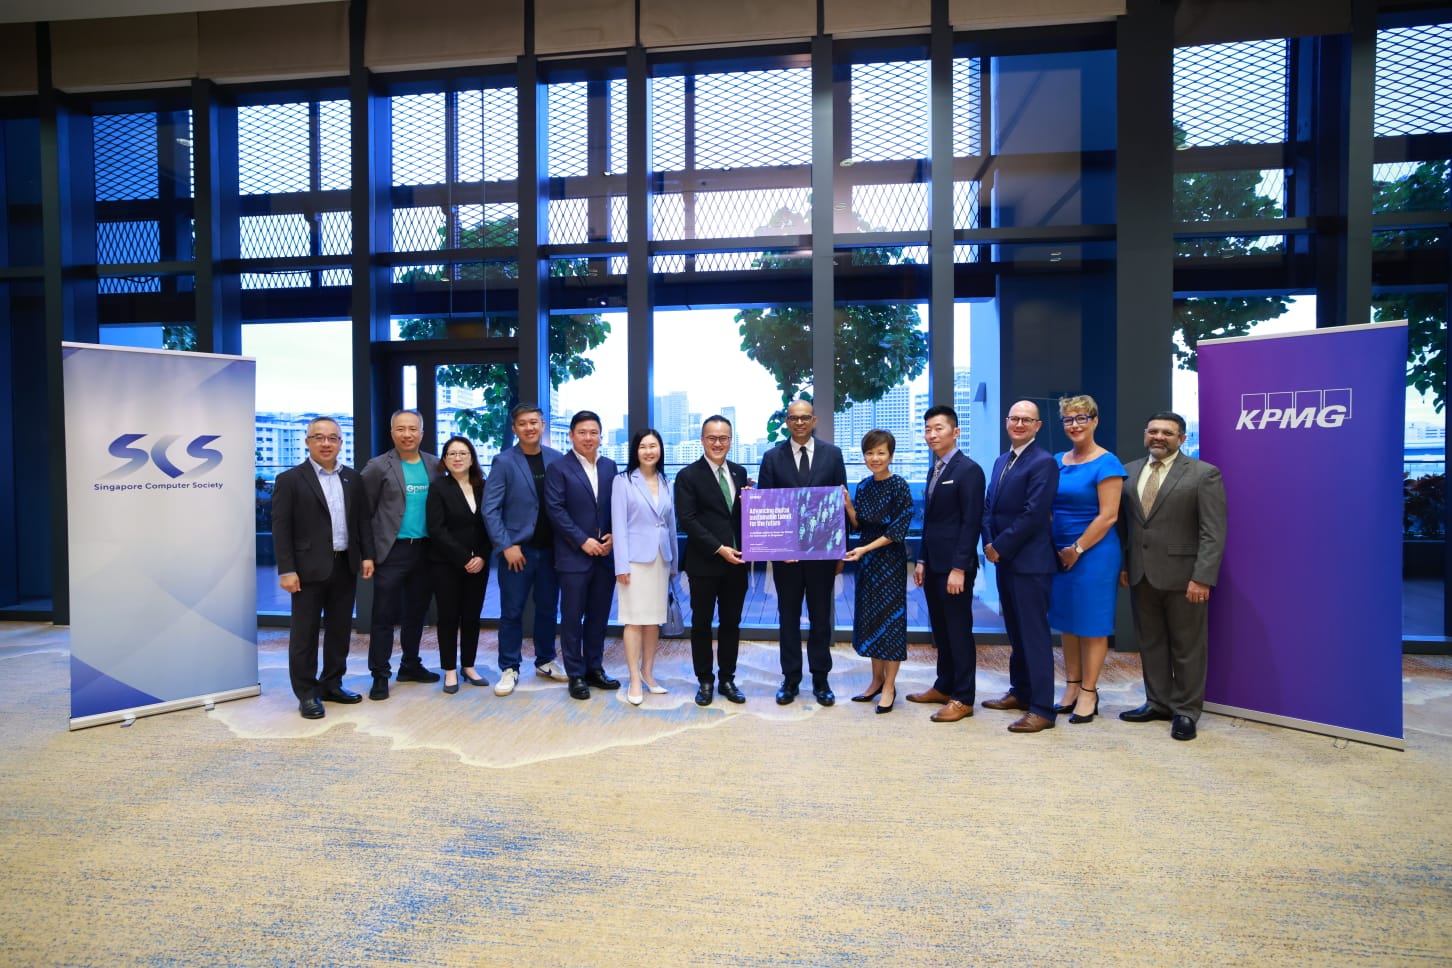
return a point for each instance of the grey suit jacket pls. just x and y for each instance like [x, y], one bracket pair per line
[1183, 538]
[383, 482]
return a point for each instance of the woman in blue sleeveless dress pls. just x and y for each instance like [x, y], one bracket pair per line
[1086, 508]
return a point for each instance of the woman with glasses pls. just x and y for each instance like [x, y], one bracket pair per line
[459, 555]
[1086, 507]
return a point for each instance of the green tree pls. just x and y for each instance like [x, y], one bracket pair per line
[570, 337]
[876, 347]
[1424, 189]
[180, 337]
[1214, 196]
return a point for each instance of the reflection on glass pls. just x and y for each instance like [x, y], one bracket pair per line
[588, 372]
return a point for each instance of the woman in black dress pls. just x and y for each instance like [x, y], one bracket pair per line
[881, 514]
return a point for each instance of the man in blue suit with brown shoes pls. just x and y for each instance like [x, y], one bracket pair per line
[1018, 540]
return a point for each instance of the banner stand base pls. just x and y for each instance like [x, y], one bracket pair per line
[1306, 725]
[128, 715]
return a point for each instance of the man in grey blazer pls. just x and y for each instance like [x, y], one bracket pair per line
[1172, 526]
[514, 514]
[397, 484]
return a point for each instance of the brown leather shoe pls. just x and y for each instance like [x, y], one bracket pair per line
[952, 712]
[1007, 701]
[1030, 723]
[929, 695]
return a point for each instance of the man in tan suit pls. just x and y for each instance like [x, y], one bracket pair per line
[1172, 526]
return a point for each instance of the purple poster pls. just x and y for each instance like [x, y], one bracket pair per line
[1305, 625]
[793, 524]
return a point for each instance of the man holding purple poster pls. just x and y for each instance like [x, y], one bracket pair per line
[1172, 526]
[804, 461]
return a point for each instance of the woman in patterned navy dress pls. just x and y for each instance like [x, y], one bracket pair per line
[881, 514]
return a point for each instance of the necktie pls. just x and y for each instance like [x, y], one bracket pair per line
[1151, 486]
[1007, 467]
[933, 482]
[803, 468]
[725, 485]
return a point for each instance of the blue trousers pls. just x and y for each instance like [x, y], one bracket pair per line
[584, 611]
[539, 577]
[1025, 601]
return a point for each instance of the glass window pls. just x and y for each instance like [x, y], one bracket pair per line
[588, 372]
[1231, 93]
[1413, 80]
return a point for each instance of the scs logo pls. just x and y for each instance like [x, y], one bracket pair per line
[1291, 410]
[137, 457]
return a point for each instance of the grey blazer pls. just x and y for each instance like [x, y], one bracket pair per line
[383, 483]
[1183, 539]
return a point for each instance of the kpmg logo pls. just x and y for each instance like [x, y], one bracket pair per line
[138, 451]
[1293, 410]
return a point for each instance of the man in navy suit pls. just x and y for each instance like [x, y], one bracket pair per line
[708, 509]
[1017, 538]
[518, 526]
[577, 500]
[322, 539]
[804, 461]
[947, 564]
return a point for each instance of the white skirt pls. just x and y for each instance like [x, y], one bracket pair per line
[643, 601]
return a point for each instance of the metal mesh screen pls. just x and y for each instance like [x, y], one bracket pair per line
[1231, 93]
[1414, 80]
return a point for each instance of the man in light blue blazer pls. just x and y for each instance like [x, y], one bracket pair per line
[513, 512]
[577, 500]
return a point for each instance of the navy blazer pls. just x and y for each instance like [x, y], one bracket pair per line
[1019, 511]
[456, 533]
[511, 503]
[953, 518]
[574, 510]
[779, 469]
[642, 529]
[302, 526]
[704, 517]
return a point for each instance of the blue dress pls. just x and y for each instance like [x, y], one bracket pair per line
[879, 617]
[1082, 602]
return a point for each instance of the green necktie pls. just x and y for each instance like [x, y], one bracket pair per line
[725, 486]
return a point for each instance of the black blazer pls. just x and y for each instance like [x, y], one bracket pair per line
[702, 514]
[456, 534]
[302, 528]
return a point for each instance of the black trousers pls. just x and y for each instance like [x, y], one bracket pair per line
[813, 581]
[402, 587]
[460, 598]
[329, 605]
[708, 594]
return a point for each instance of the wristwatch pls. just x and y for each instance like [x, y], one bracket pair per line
[1078, 550]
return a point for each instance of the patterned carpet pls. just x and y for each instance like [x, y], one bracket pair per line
[534, 830]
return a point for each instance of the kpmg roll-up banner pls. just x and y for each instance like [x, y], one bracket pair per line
[1305, 626]
[161, 508]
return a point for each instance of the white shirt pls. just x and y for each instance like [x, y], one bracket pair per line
[590, 472]
[715, 472]
[337, 507]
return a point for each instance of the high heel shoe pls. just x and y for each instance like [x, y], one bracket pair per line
[1068, 707]
[880, 708]
[635, 699]
[1076, 718]
[868, 696]
[473, 681]
[451, 688]
[656, 690]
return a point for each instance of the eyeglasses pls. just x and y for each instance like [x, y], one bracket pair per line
[1076, 418]
[1024, 420]
[800, 418]
[718, 440]
[325, 438]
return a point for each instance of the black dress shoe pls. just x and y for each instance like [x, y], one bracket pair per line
[579, 688]
[416, 674]
[824, 695]
[786, 693]
[727, 688]
[1143, 714]
[703, 694]
[1183, 727]
[341, 695]
[380, 688]
[598, 679]
[310, 709]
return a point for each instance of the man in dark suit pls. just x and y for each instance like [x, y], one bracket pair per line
[708, 510]
[577, 500]
[520, 529]
[1017, 538]
[397, 483]
[321, 537]
[948, 563]
[1172, 526]
[804, 461]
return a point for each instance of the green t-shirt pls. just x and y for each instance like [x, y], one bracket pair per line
[416, 495]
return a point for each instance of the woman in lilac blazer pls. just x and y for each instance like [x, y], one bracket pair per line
[643, 522]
